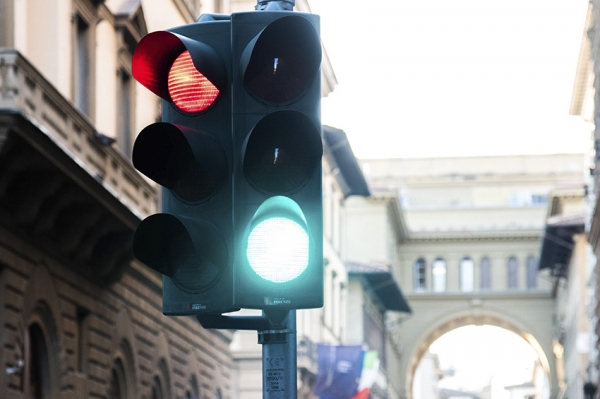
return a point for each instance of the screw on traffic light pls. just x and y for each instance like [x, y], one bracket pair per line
[189, 155]
[277, 150]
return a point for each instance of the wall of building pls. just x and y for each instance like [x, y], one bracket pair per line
[88, 329]
[89, 334]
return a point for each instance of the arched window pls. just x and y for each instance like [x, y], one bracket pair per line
[485, 274]
[532, 267]
[38, 364]
[118, 382]
[467, 275]
[157, 389]
[161, 387]
[194, 388]
[438, 272]
[420, 275]
[513, 273]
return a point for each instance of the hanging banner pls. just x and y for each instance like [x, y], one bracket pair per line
[339, 372]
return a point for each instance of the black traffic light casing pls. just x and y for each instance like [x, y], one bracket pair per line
[189, 154]
[276, 57]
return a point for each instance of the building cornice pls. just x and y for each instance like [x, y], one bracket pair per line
[437, 237]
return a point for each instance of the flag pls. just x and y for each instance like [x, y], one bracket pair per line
[339, 371]
[370, 367]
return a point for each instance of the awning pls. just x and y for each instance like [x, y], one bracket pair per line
[341, 158]
[558, 243]
[382, 283]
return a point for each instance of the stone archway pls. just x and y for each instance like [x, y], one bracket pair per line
[432, 319]
[453, 324]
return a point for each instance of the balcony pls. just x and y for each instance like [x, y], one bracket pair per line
[62, 189]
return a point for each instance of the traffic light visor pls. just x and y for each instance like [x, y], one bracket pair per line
[278, 244]
[282, 151]
[188, 73]
[282, 61]
[190, 163]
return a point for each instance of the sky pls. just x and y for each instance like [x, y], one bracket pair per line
[436, 78]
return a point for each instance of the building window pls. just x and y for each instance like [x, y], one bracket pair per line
[438, 272]
[38, 364]
[83, 66]
[467, 275]
[157, 389]
[82, 339]
[125, 113]
[532, 267]
[486, 274]
[420, 275]
[194, 391]
[118, 384]
[513, 273]
[335, 304]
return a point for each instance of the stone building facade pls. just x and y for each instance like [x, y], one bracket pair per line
[585, 102]
[80, 316]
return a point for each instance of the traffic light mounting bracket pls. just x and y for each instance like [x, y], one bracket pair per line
[275, 5]
[276, 330]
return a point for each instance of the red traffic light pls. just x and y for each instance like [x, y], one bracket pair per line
[190, 91]
[186, 72]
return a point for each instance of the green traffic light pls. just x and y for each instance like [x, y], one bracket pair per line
[278, 243]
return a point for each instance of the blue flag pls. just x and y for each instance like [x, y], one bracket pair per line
[339, 371]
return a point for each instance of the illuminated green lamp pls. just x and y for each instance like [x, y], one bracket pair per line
[278, 243]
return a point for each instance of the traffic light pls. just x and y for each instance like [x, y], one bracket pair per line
[189, 155]
[276, 88]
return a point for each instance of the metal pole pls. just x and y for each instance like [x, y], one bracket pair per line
[277, 335]
[279, 357]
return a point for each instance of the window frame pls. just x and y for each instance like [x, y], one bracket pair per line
[512, 273]
[485, 273]
[467, 262]
[439, 273]
[420, 275]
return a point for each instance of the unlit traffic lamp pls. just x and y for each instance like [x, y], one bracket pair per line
[276, 58]
[189, 155]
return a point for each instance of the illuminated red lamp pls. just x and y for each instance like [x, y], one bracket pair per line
[178, 69]
[190, 91]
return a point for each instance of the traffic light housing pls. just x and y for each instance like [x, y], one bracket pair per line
[276, 58]
[189, 155]
[238, 155]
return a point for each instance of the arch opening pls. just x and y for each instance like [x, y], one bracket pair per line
[498, 354]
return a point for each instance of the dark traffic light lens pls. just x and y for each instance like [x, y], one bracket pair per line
[188, 162]
[282, 152]
[285, 60]
[164, 243]
[190, 90]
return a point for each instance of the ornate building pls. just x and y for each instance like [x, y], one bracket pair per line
[463, 237]
[80, 317]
